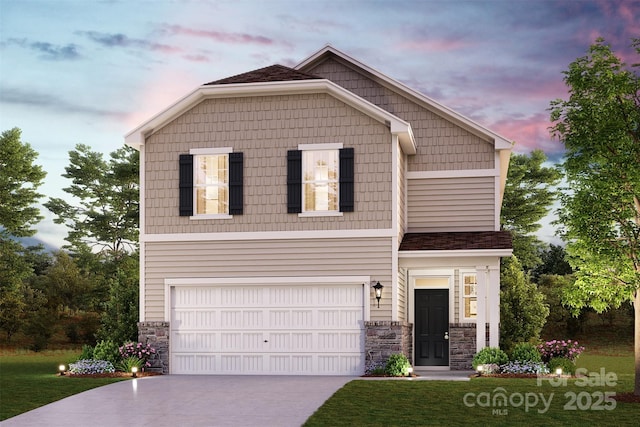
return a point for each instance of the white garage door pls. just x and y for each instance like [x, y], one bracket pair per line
[267, 330]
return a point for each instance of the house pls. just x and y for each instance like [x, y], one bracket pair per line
[274, 202]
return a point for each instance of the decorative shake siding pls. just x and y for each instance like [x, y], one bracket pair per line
[441, 144]
[267, 258]
[264, 129]
[451, 204]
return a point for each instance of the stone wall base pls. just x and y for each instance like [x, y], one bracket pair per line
[156, 334]
[384, 338]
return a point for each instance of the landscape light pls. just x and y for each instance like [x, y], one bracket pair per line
[558, 371]
[62, 369]
[134, 371]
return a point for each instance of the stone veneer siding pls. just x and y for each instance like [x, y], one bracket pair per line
[462, 345]
[384, 338]
[156, 334]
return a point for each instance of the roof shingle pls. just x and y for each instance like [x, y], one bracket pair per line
[272, 73]
[448, 241]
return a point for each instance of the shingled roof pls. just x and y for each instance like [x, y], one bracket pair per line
[273, 73]
[444, 241]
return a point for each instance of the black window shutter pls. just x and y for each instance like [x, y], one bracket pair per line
[346, 180]
[236, 199]
[294, 181]
[186, 185]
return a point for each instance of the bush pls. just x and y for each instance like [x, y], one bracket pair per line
[144, 352]
[374, 368]
[524, 367]
[397, 365]
[489, 355]
[555, 348]
[107, 350]
[568, 367]
[91, 367]
[526, 352]
[127, 363]
[87, 352]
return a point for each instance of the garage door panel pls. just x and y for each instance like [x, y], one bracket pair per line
[273, 329]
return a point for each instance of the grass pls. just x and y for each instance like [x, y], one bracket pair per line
[410, 403]
[28, 380]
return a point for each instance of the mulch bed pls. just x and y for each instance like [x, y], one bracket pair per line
[113, 375]
[627, 398]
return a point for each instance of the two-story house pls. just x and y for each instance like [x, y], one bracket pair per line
[274, 202]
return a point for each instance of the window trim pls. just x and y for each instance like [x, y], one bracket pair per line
[213, 151]
[331, 146]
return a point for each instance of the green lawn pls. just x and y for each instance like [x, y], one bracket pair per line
[410, 402]
[29, 380]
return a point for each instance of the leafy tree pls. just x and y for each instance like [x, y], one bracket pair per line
[554, 261]
[121, 314]
[600, 127]
[106, 219]
[528, 196]
[523, 311]
[19, 181]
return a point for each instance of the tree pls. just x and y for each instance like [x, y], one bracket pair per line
[528, 196]
[600, 127]
[19, 181]
[523, 311]
[106, 219]
[553, 261]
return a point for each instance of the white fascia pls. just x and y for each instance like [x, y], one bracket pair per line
[396, 125]
[457, 253]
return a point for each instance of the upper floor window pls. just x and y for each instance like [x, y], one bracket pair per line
[320, 179]
[211, 183]
[470, 295]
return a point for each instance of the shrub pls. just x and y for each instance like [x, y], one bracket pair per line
[524, 367]
[91, 367]
[374, 368]
[568, 367]
[555, 348]
[489, 368]
[129, 362]
[526, 352]
[144, 352]
[87, 352]
[489, 355]
[397, 365]
[107, 350]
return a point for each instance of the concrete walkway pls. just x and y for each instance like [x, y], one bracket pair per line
[184, 400]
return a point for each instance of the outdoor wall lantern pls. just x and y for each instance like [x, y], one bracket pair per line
[378, 289]
[134, 372]
[62, 369]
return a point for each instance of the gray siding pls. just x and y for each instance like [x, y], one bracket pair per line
[267, 258]
[451, 204]
[264, 128]
[441, 144]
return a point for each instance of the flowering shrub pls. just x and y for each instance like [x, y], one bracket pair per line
[139, 351]
[528, 367]
[488, 368]
[374, 368]
[555, 348]
[91, 366]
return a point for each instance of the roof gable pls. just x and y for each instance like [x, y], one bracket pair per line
[500, 142]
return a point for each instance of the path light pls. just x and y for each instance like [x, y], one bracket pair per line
[378, 289]
[558, 371]
[134, 371]
[409, 371]
[480, 369]
[62, 369]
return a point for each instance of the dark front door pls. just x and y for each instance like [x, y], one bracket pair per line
[432, 327]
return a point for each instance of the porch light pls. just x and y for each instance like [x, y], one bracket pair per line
[378, 289]
[134, 371]
[62, 369]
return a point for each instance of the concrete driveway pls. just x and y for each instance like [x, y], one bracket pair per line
[184, 400]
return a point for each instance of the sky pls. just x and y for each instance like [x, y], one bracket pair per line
[88, 71]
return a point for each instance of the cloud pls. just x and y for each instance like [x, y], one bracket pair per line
[433, 45]
[15, 96]
[48, 51]
[530, 133]
[122, 40]
[219, 36]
